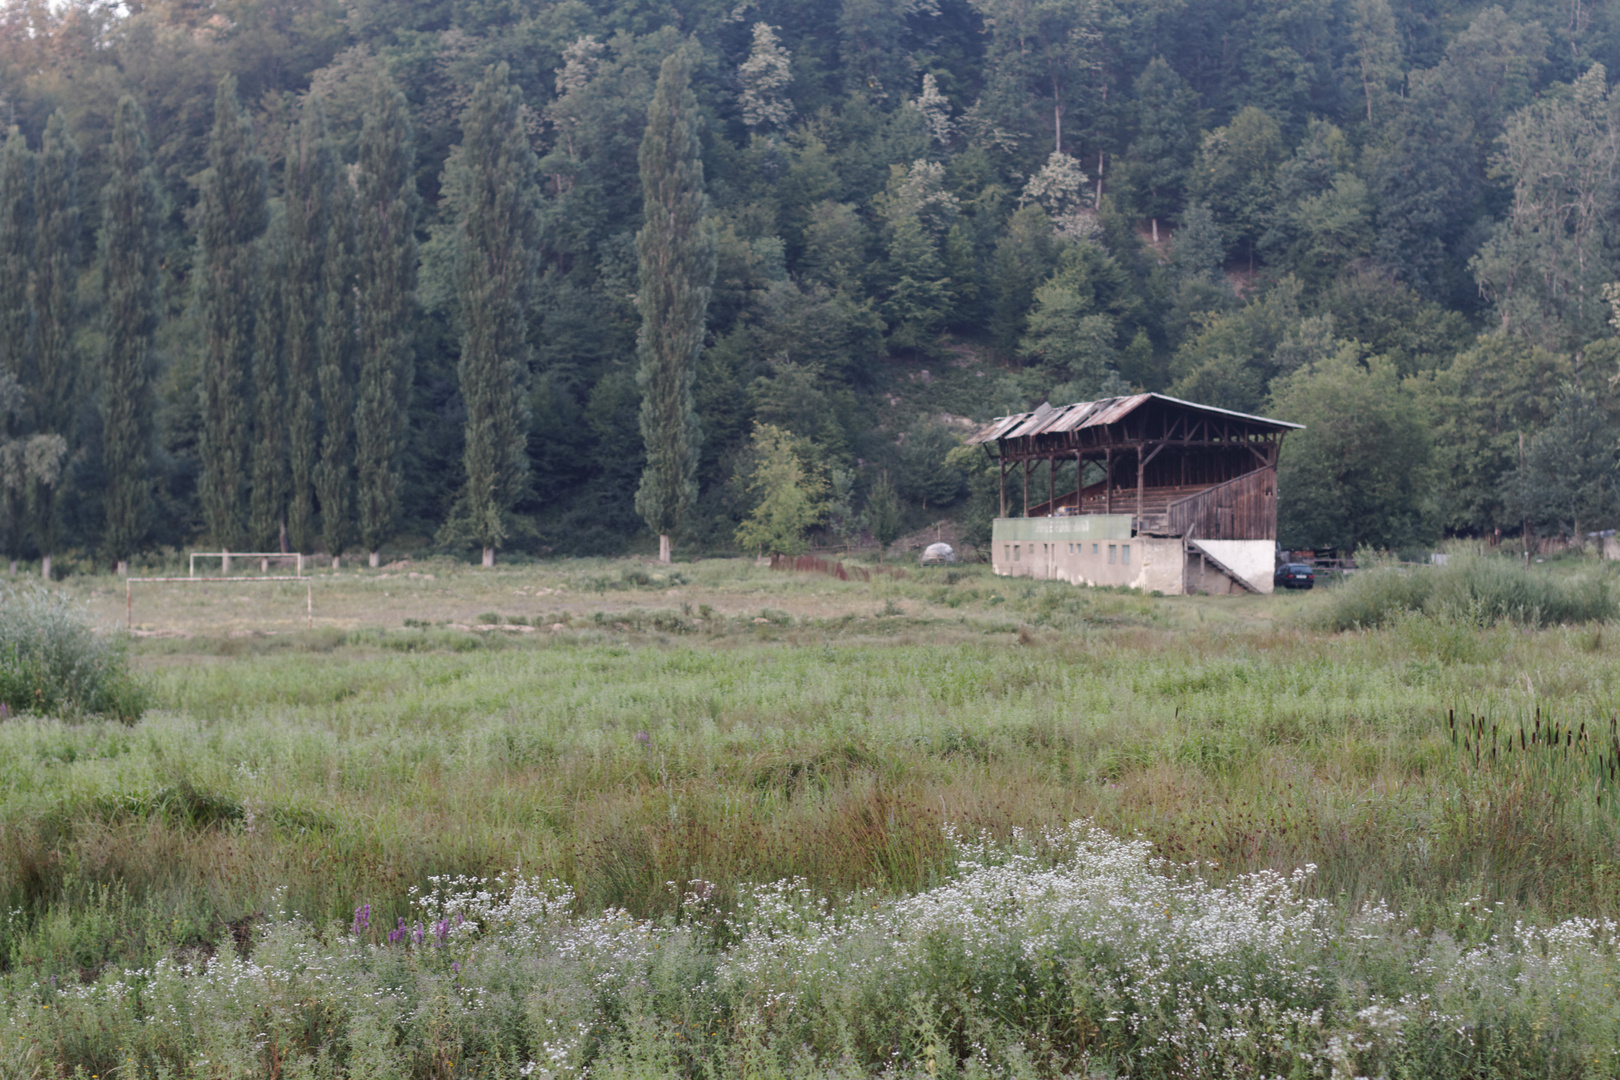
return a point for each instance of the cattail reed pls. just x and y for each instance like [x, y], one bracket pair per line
[1570, 756]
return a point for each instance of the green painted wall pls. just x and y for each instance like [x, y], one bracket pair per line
[1061, 529]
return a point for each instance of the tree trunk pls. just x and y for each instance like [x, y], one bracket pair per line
[225, 565]
[45, 568]
[376, 559]
[13, 567]
[284, 536]
[489, 557]
[122, 569]
[663, 548]
[335, 562]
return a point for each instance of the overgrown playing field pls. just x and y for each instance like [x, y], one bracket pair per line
[661, 746]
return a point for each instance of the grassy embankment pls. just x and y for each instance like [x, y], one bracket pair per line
[727, 727]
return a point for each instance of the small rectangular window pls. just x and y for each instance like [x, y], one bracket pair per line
[1006, 552]
[1125, 556]
[1112, 551]
[1015, 553]
[1094, 549]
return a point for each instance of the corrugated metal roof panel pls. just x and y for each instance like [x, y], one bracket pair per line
[1084, 414]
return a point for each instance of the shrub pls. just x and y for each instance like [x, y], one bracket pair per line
[1476, 590]
[52, 663]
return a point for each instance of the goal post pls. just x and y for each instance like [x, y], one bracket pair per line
[226, 577]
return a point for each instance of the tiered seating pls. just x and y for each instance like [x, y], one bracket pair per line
[1155, 503]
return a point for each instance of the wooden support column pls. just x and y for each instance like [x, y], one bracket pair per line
[1141, 468]
[1003, 487]
[1026, 487]
[1079, 483]
[1108, 480]
[1051, 485]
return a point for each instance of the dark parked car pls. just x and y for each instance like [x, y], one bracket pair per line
[1293, 575]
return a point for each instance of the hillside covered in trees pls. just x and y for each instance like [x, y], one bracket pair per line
[346, 274]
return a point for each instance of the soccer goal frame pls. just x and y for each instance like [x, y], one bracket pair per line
[226, 577]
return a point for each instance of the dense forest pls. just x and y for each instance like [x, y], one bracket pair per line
[368, 275]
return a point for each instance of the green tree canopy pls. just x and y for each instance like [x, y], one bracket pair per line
[788, 497]
[1358, 474]
[494, 182]
[677, 264]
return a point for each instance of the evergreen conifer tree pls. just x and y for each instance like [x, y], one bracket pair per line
[16, 314]
[495, 178]
[334, 476]
[129, 267]
[677, 254]
[385, 239]
[55, 381]
[267, 508]
[311, 181]
[233, 217]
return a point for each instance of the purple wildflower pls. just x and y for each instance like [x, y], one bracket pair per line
[362, 919]
[399, 933]
[643, 738]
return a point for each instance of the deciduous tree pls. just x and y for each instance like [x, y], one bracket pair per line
[1359, 472]
[494, 178]
[334, 475]
[789, 497]
[16, 314]
[233, 216]
[677, 258]
[1545, 264]
[311, 186]
[129, 277]
[385, 210]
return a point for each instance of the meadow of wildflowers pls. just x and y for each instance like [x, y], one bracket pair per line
[1070, 953]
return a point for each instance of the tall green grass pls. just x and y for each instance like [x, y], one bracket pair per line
[52, 663]
[353, 774]
[1472, 591]
[645, 757]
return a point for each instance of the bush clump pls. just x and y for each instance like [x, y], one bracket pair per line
[1476, 590]
[53, 664]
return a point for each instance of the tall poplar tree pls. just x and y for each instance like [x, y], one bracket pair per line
[677, 254]
[129, 268]
[16, 313]
[334, 476]
[311, 186]
[233, 217]
[494, 178]
[16, 252]
[55, 292]
[267, 507]
[385, 240]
